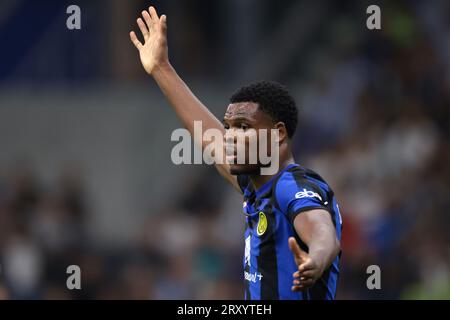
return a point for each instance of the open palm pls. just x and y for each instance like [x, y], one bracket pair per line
[153, 52]
[308, 271]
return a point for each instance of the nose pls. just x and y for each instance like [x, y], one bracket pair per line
[230, 136]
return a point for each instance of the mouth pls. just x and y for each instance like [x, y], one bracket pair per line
[231, 154]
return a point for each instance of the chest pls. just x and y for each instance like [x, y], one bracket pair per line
[261, 217]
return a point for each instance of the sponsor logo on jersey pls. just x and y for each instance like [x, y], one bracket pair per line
[253, 277]
[307, 194]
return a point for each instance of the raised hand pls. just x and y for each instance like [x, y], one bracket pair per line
[308, 270]
[153, 52]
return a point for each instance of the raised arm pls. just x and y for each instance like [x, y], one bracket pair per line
[155, 60]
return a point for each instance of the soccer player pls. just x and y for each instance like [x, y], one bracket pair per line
[293, 224]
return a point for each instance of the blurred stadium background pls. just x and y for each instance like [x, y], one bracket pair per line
[85, 170]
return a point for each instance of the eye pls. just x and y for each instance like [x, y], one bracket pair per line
[244, 126]
[226, 126]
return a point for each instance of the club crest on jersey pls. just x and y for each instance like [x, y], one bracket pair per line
[307, 194]
[262, 224]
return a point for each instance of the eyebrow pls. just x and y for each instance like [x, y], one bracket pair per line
[238, 118]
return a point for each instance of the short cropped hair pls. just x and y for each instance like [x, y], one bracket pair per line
[273, 99]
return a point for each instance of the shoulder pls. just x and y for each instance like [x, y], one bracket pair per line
[302, 186]
[299, 178]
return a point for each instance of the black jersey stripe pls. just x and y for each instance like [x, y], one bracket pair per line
[267, 260]
[248, 295]
[320, 289]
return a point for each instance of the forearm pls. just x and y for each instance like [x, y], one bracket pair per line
[317, 231]
[323, 246]
[189, 109]
[186, 105]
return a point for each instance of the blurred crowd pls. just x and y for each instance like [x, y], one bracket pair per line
[374, 123]
[387, 155]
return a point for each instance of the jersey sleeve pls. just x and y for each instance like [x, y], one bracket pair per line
[295, 195]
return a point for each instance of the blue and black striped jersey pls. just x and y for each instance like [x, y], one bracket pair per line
[269, 213]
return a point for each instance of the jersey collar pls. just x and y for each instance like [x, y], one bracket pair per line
[266, 186]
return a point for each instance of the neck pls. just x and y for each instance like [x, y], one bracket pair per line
[259, 180]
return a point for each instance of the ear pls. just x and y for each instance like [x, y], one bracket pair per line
[282, 132]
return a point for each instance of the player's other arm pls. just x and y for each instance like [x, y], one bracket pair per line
[154, 57]
[317, 231]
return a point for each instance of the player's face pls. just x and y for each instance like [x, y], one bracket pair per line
[244, 120]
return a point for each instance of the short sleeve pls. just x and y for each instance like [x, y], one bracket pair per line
[295, 195]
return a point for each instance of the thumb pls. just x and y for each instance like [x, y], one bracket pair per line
[299, 254]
